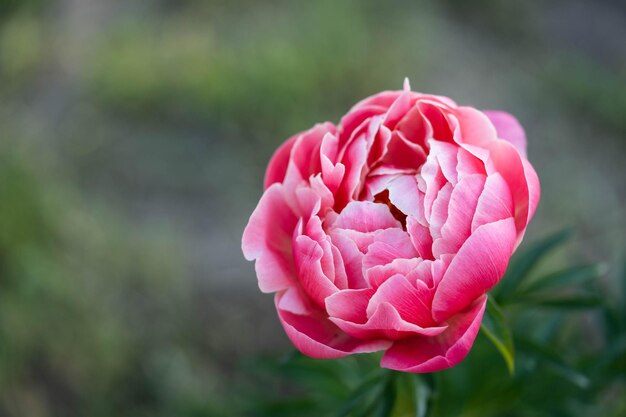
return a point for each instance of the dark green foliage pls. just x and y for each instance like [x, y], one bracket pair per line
[494, 326]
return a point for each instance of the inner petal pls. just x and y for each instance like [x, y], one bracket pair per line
[383, 198]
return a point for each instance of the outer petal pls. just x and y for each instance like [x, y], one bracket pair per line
[508, 128]
[474, 128]
[277, 168]
[267, 238]
[534, 188]
[430, 354]
[476, 268]
[317, 337]
[495, 203]
[506, 160]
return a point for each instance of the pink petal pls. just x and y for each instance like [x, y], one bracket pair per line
[430, 181]
[349, 305]
[362, 240]
[398, 109]
[277, 167]
[505, 159]
[295, 301]
[389, 245]
[378, 138]
[351, 124]
[406, 299]
[431, 354]
[330, 147]
[375, 184]
[468, 164]
[508, 128]
[439, 212]
[474, 128]
[332, 174]
[383, 99]
[365, 216]
[351, 257]
[423, 279]
[341, 276]
[380, 273]
[461, 209]
[317, 337]
[406, 196]
[437, 120]
[420, 237]
[314, 230]
[325, 197]
[307, 200]
[307, 147]
[414, 127]
[354, 161]
[534, 188]
[308, 256]
[267, 239]
[385, 323]
[446, 154]
[476, 268]
[403, 154]
[495, 203]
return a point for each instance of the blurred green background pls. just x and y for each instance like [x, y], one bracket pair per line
[133, 139]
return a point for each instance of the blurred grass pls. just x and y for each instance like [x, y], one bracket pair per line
[591, 90]
[20, 48]
[272, 75]
[79, 297]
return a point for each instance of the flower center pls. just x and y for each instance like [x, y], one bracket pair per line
[383, 198]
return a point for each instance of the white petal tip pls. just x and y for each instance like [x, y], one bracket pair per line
[407, 85]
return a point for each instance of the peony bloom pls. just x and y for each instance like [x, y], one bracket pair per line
[386, 231]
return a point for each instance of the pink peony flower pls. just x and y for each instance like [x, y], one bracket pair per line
[386, 231]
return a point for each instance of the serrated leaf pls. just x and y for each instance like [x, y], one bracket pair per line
[568, 276]
[495, 327]
[522, 264]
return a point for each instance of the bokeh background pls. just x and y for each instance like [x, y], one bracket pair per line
[133, 140]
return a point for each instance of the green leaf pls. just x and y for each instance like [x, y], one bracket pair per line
[383, 406]
[579, 301]
[363, 394]
[553, 359]
[423, 393]
[522, 264]
[496, 329]
[568, 276]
